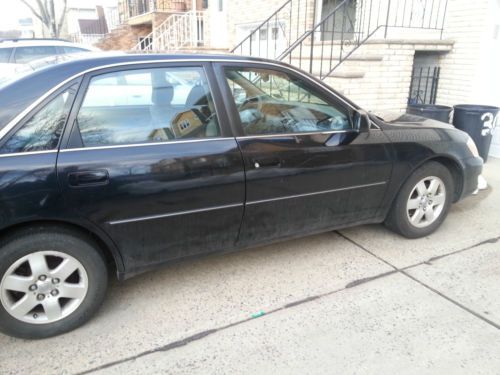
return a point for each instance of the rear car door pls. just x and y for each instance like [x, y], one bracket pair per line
[148, 159]
[307, 168]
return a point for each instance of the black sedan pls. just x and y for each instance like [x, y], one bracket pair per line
[123, 163]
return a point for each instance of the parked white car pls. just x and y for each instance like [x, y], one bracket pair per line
[23, 51]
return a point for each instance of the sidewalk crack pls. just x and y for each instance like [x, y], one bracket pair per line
[403, 272]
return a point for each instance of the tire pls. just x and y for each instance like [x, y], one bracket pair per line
[36, 268]
[418, 222]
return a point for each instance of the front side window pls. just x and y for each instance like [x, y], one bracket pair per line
[42, 131]
[24, 55]
[147, 105]
[273, 102]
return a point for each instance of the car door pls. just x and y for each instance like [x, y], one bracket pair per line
[307, 168]
[164, 180]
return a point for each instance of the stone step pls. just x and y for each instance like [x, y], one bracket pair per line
[348, 69]
[317, 55]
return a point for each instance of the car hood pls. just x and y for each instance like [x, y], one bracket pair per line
[413, 121]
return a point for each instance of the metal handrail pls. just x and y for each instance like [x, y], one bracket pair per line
[344, 29]
[287, 19]
[177, 31]
[349, 41]
[261, 25]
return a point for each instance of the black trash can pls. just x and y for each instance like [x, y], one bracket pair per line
[478, 121]
[432, 111]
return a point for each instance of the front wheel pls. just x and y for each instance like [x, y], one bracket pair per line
[51, 281]
[423, 202]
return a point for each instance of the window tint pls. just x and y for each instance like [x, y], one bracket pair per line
[43, 130]
[271, 101]
[5, 54]
[147, 105]
[27, 54]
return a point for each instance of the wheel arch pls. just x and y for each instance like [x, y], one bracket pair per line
[105, 245]
[456, 172]
[450, 163]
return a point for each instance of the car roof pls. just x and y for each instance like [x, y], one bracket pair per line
[130, 57]
[12, 43]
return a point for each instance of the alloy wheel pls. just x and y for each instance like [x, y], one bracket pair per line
[426, 202]
[43, 287]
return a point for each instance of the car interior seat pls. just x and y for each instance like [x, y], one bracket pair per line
[198, 98]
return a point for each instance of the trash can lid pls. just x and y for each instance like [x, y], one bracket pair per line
[476, 107]
[430, 107]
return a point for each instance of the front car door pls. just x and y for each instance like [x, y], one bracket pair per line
[148, 159]
[307, 168]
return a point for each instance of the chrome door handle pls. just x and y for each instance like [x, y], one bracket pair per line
[267, 162]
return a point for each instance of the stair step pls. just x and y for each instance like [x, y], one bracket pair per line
[341, 75]
[351, 60]
[354, 57]
[348, 69]
[346, 75]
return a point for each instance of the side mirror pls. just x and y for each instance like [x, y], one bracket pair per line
[361, 121]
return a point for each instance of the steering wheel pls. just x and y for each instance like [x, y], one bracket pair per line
[254, 99]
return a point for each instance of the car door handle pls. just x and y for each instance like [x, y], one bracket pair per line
[88, 178]
[267, 162]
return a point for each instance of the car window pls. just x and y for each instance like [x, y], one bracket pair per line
[26, 54]
[5, 54]
[147, 105]
[73, 49]
[42, 131]
[273, 102]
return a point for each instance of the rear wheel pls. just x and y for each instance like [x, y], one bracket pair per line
[423, 202]
[51, 281]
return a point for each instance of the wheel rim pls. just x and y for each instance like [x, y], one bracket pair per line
[43, 287]
[426, 202]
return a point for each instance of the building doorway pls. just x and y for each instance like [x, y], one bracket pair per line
[424, 78]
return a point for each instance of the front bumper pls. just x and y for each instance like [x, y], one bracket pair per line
[472, 168]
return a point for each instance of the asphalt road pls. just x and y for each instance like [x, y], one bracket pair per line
[358, 301]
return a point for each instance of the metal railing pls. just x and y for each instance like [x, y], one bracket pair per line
[177, 31]
[424, 85]
[86, 39]
[324, 46]
[352, 23]
[139, 7]
[277, 33]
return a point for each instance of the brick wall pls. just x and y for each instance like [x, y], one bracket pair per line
[465, 24]
[377, 76]
[123, 38]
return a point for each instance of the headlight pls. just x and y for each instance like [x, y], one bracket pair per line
[472, 147]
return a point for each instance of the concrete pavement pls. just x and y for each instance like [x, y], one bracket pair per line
[361, 300]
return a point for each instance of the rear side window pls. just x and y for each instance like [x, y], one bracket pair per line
[5, 54]
[42, 131]
[147, 105]
[26, 54]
